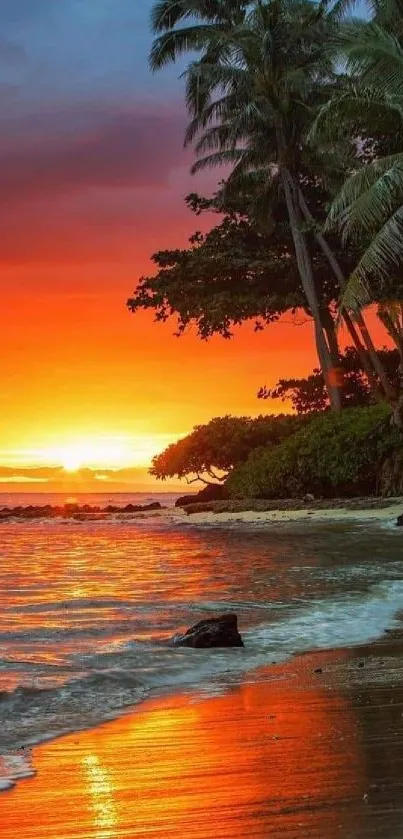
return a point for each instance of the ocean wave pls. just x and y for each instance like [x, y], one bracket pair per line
[107, 682]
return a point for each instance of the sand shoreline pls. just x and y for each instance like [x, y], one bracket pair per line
[311, 747]
[381, 511]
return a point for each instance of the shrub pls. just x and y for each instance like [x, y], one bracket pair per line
[220, 445]
[334, 454]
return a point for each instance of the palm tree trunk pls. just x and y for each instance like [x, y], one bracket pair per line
[363, 355]
[306, 274]
[371, 353]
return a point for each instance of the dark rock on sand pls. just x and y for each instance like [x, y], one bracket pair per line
[399, 522]
[184, 500]
[211, 492]
[213, 632]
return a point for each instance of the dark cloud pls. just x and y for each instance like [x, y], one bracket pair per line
[123, 149]
[88, 184]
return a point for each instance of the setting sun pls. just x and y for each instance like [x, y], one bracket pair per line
[99, 452]
[71, 461]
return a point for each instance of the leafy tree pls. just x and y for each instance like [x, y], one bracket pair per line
[333, 455]
[211, 451]
[308, 395]
[235, 272]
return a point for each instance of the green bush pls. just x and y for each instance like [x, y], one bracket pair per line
[334, 454]
[221, 444]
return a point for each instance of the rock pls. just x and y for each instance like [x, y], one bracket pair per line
[399, 521]
[154, 505]
[213, 632]
[211, 492]
[184, 500]
[309, 498]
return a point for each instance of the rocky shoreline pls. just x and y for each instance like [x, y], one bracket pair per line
[80, 512]
[291, 505]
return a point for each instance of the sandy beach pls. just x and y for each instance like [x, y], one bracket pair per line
[310, 748]
[382, 511]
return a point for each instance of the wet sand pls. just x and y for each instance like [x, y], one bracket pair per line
[287, 752]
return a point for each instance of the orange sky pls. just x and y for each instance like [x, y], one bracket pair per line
[92, 181]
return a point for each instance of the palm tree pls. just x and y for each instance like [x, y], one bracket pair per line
[369, 206]
[264, 69]
[259, 65]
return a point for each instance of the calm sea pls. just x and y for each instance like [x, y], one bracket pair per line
[86, 608]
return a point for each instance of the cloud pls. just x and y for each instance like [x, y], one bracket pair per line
[76, 150]
[91, 184]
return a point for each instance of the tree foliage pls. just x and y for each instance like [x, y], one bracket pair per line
[369, 207]
[308, 395]
[237, 271]
[211, 451]
[332, 455]
[260, 73]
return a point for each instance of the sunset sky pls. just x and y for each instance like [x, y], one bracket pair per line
[92, 180]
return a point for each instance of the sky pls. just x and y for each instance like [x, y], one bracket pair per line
[92, 180]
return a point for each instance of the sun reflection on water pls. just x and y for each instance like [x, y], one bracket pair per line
[101, 790]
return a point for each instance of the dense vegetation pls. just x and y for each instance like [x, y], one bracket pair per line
[210, 452]
[346, 454]
[309, 395]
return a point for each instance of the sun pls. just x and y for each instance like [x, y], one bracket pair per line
[110, 452]
[71, 461]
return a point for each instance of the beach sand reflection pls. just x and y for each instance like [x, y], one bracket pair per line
[265, 759]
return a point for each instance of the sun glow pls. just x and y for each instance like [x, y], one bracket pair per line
[90, 454]
[102, 453]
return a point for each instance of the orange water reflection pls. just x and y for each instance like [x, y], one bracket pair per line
[264, 760]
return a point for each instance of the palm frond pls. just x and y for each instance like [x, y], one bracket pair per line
[169, 46]
[227, 157]
[383, 254]
[375, 55]
[368, 196]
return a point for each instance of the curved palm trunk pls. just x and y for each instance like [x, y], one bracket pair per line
[306, 274]
[393, 323]
[364, 357]
[368, 354]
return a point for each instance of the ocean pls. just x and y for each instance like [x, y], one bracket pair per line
[87, 608]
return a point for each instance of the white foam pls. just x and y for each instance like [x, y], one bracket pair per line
[15, 766]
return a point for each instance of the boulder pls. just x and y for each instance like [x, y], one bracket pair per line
[213, 632]
[183, 500]
[399, 521]
[211, 492]
[309, 498]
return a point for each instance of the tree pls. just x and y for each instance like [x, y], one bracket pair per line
[308, 395]
[369, 208]
[238, 271]
[264, 70]
[249, 94]
[210, 452]
[233, 273]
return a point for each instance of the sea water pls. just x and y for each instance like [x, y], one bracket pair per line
[87, 608]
